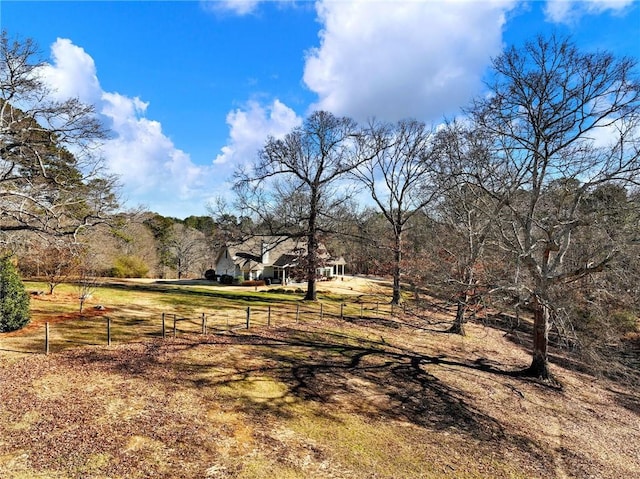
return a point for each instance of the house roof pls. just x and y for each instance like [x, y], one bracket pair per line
[286, 260]
[278, 251]
[338, 261]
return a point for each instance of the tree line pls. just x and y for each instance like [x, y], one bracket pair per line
[528, 200]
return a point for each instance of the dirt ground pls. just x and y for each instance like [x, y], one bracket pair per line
[364, 397]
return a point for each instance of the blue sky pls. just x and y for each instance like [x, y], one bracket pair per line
[191, 89]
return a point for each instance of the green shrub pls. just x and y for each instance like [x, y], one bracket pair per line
[625, 321]
[129, 267]
[14, 300]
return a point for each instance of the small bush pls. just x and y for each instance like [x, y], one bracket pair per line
[211, 275]
[282, 291]
[14, 300]
[129, 267]
[253, 282]
[226, 279]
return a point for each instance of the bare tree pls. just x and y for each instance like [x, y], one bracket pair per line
[395, 166]
[593, 315]
[563, 123]
[294, 188]
[88, 278]
[189, 250]
[465, 214]
[55, 260]
[50, 175]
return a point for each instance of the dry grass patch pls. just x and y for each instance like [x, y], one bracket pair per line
[372, 397]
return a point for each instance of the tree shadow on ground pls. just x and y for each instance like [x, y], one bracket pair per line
[177, 288]
[626, 400]
[336, 372]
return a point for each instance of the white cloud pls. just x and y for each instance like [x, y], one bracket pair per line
[251, 126]
[239, 7]
[144, 158]
[570, 11]
[151, 168]
[73, 73]
[404, 59]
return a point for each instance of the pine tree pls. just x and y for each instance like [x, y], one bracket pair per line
[14, 300]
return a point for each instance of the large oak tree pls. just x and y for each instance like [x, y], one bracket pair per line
[564, 123]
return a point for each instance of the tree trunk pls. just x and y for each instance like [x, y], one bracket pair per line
[311, 294]
[397, 258]
[312, 247]
[540, 364]
[463, 302]
[458, 325]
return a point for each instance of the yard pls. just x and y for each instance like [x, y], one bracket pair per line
[365, 394]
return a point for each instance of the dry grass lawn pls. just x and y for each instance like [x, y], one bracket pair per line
[368, 397]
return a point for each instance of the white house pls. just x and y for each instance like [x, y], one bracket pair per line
[272, 257]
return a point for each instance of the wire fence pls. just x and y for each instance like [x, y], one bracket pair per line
[110, 329]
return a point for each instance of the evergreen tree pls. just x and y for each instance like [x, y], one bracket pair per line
[14, 300]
